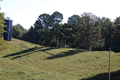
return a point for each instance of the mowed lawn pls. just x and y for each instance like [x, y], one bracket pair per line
[43, 63]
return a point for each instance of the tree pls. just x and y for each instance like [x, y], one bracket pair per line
[75, 22]
[56, 18]
[3, 43]
[60, 36]
[18, 31]
[117, 23]
[117, 36]
[43, 22]
[42, 26]
[92, 29]
[31, 35]
[2, 22]
[108, 33]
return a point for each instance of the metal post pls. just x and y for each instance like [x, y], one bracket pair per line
[109, 62]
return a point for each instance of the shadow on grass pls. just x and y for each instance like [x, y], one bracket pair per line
[105, 76]
[31, 50]
[27, 52]
[44, 50]
[63, 54]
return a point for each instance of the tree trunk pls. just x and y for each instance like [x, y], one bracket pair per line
[56, 42]
[56, 38]
[88, 38]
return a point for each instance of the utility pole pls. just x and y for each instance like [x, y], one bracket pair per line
[109, 62]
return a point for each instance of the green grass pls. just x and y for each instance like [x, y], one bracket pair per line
[44, 63]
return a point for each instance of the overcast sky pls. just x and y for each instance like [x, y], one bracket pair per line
[26, 12]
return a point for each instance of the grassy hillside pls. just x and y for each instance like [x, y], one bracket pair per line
[44, 63]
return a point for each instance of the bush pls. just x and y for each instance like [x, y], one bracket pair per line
[3, 44]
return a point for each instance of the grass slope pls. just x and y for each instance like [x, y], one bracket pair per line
[44, 63]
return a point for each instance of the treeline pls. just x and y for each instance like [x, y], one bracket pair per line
[86, 31]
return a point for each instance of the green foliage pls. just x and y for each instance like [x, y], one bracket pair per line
[117, 35]
[47, 28]
[3, 43]
[30, 35]
[57, 18]
[92, 30]
[2, 23]
[43, 22]
[109, 33]
[18, 31]
[87, 31]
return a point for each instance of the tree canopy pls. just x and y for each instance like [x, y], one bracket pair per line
[86, 31]
[18, 31]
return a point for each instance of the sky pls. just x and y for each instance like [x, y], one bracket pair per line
[26, 12]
